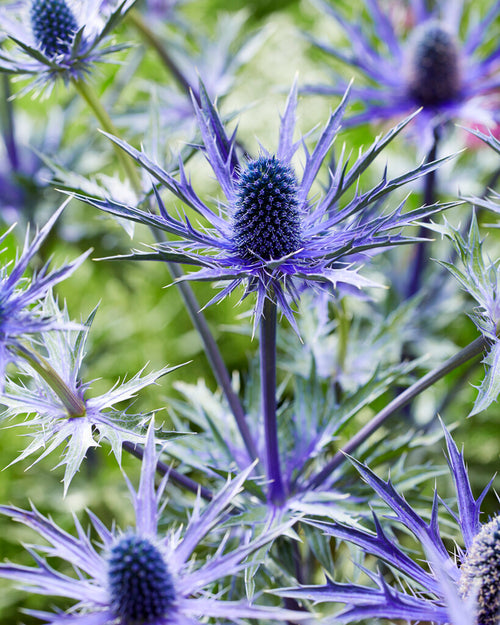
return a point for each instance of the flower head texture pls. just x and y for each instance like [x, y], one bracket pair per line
[68, 414]
[453, 588]
[268, 233]
[58, 38]
[21, 313]
[142, 576]
[427, 65]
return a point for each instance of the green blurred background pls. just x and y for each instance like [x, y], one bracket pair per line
[140, 321]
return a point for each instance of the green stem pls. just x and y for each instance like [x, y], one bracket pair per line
[73, 404]
[342, 333]
[136, 18]
[90, 97]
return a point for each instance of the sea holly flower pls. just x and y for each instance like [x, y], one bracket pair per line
[428, 66]
[268, 233]
[58, 38]
[21, 311]
[58, 403]
[142, 575]
[452, 587]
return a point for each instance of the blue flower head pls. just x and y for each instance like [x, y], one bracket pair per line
[268, 233]
[428, 65]
[141, 586]
[59, 38]
[54, 26]
[142, 576]
[461, 588]
[266, 221]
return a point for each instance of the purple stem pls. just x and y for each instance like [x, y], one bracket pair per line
[419, 261]
[215, 359]
[470, 351]
[163, 469]
[268, 390]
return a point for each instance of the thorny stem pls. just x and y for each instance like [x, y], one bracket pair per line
[417, 267]
[73, 404]
[470, 351]
[163, 469]
[268, 393]
[104, 119]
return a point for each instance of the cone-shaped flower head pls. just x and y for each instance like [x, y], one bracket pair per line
[143, 576]
[266, 221]
[446, 62]
[434, 75]
[480, 573]
[268, 233]
[54, 25]
[141, 586]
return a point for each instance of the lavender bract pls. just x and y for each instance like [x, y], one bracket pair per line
[301, 241]
[59, 405]
[21, 313]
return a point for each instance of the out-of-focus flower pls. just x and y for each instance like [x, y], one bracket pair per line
[141, 575]
[426, 66]
[58, 38]
[268, 233]
[58, 405]
[21, 310]
[459, 588]
[23, 174]
[190, 54]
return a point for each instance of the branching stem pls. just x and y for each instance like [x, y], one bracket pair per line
[472, 350]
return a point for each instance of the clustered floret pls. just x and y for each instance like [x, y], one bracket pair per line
[266, 221]
[140, 583]
[433, 66]
[480, 573]
[54, 26]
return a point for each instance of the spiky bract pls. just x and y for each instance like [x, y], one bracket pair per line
[291, 240]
